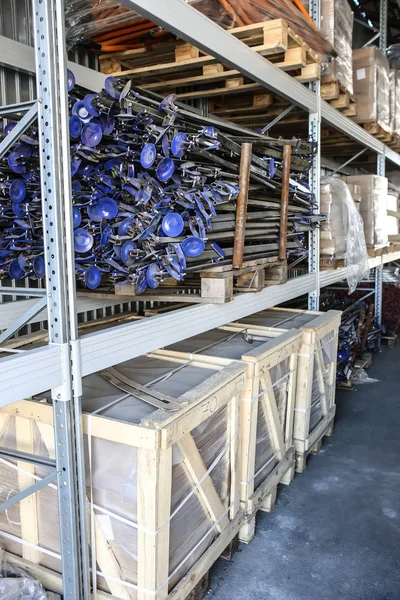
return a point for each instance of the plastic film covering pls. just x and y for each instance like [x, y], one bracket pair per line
[342, 234]
[111, 472]
[323, 386]
[373, 208]
[371, 86]
[266, 458]
[17, 584]
[86, 19]
[337, 28]
[394, 96]
[392, 222]
[280, 318]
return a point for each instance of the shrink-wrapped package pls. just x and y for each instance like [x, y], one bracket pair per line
[374, 191]
[371, 86]
[337, 28]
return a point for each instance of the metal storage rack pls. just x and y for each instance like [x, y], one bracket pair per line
[61, 364]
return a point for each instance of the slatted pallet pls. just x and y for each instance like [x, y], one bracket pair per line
[314, 446]
[215, 285]
[170, 67]
[331, 263]
[373, 251]
[152, 466]
[336, 94]
[378, 131]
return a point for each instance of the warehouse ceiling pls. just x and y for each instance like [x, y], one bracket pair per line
[367, 12]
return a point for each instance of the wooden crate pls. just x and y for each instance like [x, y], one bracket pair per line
[169, 67]
[316, 373]
[267, 408]
[165, 484]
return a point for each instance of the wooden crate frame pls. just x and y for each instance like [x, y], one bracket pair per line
[259, 363]
[312, 334]
[154, 439]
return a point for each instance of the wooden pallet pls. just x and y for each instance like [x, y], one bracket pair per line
[173, 66]
[390, 341]
[266, 461]
[379, 132]
[331, 263]
[337, 95]
[216, 285]
[210, 408]
[373, 252]
[315, 444]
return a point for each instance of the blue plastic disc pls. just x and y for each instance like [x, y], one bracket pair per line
[148, 155]
[107, 208]
[75, 126]
[83, 240]
[18, 210]
[107, 124]
[14, 270]
[124, 226]
[93, 213]
[165, 169]
[80, 111]
[178, 145]
[17, 191]
[75, 164]
[126, 250]
[165, 145]
[141, 282]
[89, 105]
[9, 128]
[76, 217]
[109, 84]
[152, 275]
[193, 246]
[39, 267]
[92, 277]
[172, 224]
[70, 80]
[91, 134]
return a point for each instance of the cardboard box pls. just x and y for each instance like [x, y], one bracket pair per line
[371, 86]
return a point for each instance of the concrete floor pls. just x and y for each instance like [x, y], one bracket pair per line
[335, 531]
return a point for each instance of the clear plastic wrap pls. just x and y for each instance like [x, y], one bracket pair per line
[86, 19]
[324, 386]
[337, 28]
[373, 209]
[371, 86]
[17, 584]
[394, 92]
[344, 230]
[393, 205]
[111, 476]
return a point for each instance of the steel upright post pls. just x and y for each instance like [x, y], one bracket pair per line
[383, 25]
[314, 130]
[52, 91]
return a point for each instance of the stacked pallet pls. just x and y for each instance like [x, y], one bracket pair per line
[174, 66]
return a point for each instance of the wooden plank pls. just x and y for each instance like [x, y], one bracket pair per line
[235, 458]
[154, 486]
[206, 491]
[268, 402]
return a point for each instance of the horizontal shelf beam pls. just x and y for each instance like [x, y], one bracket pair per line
[34, 371]
[28, 373]
[20, 57]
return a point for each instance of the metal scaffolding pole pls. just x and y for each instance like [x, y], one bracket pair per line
[314, 130]
[51, 83]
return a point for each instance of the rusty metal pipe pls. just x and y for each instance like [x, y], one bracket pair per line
[241, 207]
[287, 154]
